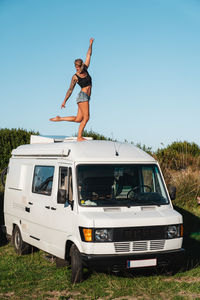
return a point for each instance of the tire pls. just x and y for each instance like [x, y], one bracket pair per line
[20, 246]
[76, 265]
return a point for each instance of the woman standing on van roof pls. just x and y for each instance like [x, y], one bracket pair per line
[83, 78]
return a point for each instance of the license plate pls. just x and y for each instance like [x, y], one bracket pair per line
[142, 263]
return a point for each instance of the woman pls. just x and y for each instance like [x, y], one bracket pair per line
[83, 78]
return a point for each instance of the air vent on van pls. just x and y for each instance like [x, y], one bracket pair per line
[112, 209]
[145, 208]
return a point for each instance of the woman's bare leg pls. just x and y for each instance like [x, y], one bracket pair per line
[77, 118]
[84, 108]
[82, 117]
[58, 119]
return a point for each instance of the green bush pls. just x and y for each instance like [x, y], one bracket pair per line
[185, 148]
[11, 139]
[179, 155]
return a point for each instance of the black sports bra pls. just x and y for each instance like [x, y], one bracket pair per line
[85, 81]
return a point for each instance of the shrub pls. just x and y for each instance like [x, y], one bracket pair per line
[178, 156]
[187, 183]
[11, 139]
[185, 148]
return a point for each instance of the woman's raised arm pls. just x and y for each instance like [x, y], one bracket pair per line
[89, 53]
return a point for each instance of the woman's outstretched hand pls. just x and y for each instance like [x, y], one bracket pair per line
[91, 41]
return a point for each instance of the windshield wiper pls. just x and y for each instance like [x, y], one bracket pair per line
[151, 203]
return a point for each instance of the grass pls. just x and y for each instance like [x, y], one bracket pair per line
[33, 277]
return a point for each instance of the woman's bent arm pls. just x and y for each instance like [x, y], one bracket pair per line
[70, 90]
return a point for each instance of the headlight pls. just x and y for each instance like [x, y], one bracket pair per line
[103, 235]
[174, 231]
[96, 235]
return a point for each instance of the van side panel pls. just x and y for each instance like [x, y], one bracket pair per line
[15, 199]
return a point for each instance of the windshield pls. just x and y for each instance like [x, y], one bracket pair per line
[120, 185]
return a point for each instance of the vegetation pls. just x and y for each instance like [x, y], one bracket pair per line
[179, 156]
[34, 277]
[11, 139]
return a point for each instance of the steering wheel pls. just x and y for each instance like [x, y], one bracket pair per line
[137, 187]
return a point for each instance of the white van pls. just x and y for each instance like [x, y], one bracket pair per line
[95, 204]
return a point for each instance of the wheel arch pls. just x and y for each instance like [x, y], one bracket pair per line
[68, 245]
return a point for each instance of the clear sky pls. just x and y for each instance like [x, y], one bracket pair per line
[145, 67]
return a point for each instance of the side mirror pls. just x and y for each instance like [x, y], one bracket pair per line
[61, 196]
[172, 192]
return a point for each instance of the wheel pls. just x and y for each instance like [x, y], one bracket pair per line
[20, 246]
[76, 265]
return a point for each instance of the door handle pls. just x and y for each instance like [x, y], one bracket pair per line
[31, 203]
[48, 207]
[53, 208]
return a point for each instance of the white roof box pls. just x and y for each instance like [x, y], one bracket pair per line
[75, 138]
[38, 139]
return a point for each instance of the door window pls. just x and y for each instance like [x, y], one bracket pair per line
[65, 191]
[43, 180]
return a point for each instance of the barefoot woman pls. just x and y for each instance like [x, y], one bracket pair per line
[83, 78]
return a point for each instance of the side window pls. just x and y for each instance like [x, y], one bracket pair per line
[63, 179]
[65, 185]
[43, 180]
[70, 185]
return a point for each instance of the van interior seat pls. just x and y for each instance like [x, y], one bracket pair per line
[102, 186]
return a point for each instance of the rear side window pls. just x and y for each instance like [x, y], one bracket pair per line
[43, 180]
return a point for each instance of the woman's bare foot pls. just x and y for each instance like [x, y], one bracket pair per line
[81, 139]
[57, 118]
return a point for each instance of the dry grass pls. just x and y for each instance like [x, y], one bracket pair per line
[187, 183]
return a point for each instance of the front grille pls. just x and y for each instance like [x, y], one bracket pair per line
[157, 245]
[139, 233]
[122, 247]
[139, 246]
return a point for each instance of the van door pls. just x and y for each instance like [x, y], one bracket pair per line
[50, 214]
[62, 213]
[63, 216]
[39, 203]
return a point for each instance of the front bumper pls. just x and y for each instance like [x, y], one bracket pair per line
[117, 262]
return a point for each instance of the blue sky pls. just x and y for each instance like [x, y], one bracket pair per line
[145, 67]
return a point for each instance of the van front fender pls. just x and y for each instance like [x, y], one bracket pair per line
[82, 246]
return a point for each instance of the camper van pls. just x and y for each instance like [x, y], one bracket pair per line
[95, 204]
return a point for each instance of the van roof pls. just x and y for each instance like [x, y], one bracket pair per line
[86, 151]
